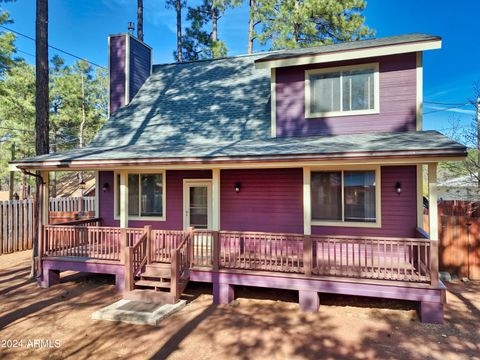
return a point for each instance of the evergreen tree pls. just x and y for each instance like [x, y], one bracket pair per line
[7, 46]
[305, 23]
[200, 41]
[178, 5]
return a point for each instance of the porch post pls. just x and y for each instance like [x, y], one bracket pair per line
[123, 199]
[420, 196]
[307, 206]
[433, 222]
[97, 194]
[215, 199]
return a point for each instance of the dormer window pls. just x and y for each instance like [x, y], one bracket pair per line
[342, 91]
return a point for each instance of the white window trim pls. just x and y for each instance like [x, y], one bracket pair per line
[143, 218]
[376, 90]
[378, 199]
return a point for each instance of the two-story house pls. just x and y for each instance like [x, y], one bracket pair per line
[297, 169]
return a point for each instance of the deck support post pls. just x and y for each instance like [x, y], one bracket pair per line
[50, 278]
[223, 294]
[309, 301]
[431, 312]
[433, 222]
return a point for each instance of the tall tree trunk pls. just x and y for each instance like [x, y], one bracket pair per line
[214, 23]
[178, 7]
[41, 108]
[140, 20]
[251, 21]
[11, 183]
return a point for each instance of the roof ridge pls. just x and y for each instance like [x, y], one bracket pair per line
[269, 52]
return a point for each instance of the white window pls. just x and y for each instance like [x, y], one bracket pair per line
[345, 197]
[146, 195]
[352, 90]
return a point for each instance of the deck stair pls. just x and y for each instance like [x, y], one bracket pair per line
[157, 282]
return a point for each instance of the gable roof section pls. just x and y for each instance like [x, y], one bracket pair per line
[416, 144]
[203, 101]
[350, 50]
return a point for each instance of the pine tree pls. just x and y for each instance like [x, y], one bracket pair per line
[7, 46]
[305, 23]
[178, 5]
[199, 41]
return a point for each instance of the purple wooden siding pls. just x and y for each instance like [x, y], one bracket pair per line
[117, 72]
[269, 200]
[399, 212]
[174, 201]
[397, 100]
[140, 65]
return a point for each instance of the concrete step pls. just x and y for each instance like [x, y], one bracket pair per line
[150, 296]
[153, 283]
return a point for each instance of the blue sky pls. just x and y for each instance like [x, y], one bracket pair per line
[82, 27]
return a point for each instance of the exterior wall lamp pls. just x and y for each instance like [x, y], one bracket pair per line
[398, 187]
[105, 187]
[238, 186]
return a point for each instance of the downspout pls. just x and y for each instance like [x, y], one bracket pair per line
[40, 219]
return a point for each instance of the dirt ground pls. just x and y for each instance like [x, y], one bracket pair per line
[263, 324]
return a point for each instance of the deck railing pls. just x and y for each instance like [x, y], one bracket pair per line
[136, 257]
[373, 258]
[181, 264]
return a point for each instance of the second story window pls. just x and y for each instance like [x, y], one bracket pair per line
[348, 90]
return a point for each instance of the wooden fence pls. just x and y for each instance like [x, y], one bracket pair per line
[16, 220]
[459, 238]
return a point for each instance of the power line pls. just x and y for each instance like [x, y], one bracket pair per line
[24, 52]
[443, 103]
[54, 47]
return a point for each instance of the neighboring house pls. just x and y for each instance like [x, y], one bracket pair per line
[68, 185]
[464, 188]
[298, 169]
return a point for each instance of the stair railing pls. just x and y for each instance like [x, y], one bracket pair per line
[181, 261]
[136, 257]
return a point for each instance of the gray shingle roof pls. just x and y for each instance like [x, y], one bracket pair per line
[351, 45]
[221, 108]
[373, 143]
[217, 100]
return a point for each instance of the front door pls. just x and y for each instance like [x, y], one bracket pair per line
[197, 201]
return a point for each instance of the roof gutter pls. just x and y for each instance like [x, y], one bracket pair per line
[453, 154]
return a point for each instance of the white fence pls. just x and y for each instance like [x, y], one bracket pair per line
[72, 204]
[16, 220]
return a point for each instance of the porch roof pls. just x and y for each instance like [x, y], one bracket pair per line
[415, 144]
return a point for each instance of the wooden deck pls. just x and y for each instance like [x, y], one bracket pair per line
[399, 259]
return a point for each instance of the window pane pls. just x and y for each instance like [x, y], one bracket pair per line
[358, 90]
[359, 196]
[325, 92]
[133, 194]
[152, 204]
[326, 195]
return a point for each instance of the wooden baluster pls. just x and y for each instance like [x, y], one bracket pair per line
[216, 251]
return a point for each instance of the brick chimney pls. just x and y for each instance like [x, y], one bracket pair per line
[129, 64]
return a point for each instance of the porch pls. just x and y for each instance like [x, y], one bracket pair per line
[156, 265]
